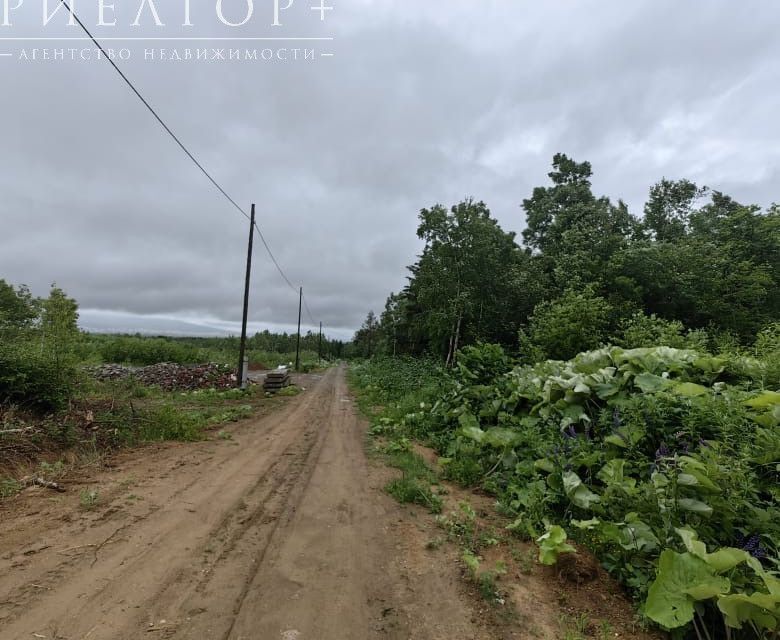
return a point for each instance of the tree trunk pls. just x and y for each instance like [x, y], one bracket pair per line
[450, 351]
[457, 340]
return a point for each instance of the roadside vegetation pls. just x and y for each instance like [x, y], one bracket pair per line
[54, 405]
[614, 383]
[665, 463]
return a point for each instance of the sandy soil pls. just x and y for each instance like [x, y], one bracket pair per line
[277, 528]
[280, 532]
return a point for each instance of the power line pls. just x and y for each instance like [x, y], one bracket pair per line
[273, 259]
[308, 311]
[153, 112]
[184, 148]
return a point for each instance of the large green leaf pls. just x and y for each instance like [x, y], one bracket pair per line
[697, 474]
[721, 560]
[617, 440]
[586, 525]
[692, 543]
[689, 389]
[501, 438]
[543, 464]
[772, 583]
[572, 414]
[766, 399]
[696, 506]
[552, 544]
[682, 579]
[612, 472]
[710, 364]
[605, 383]
[760, 609]
[650, 383]
[577, 492]
[637, 535]
[470, 427]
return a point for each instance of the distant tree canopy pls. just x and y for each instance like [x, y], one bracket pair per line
[586, 270]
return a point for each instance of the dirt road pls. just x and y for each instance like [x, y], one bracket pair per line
[279, 532]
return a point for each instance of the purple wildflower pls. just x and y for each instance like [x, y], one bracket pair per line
[752, 544]
[662, 452]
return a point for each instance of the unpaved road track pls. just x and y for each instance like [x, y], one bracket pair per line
[280, 533]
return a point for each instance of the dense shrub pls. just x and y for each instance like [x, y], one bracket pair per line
[482, 363]
[562, 328]
[767, 348]
[146, 351]
[33, 379]
[641, 330]
[665, 462]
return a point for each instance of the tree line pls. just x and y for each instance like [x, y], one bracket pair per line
[42, 350]
[696, 269]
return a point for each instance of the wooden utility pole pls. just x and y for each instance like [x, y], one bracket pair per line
[298, 346]
[319, 347]
[242, 349]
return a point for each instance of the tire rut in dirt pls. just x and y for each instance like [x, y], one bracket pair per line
[205, 599]
[166, 554]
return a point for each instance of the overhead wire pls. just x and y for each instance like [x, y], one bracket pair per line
[273, 259]
[185, 149]
[308, 311]
[153, 112]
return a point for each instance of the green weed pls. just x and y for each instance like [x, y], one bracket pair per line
[574, 627]
[434, 544]
[89, 498]
[289, 392]
[168, 423]
[410, 490]
[9, 487]
[526, 560]
[51, 470]
[485, 580]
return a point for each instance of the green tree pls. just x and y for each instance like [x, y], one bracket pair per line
[698, 283]
[390, 323]
[18, 309]
[36, 350]
[471, 280]
[367, 337]
[562, 328]
[575, 233]
[59, 330]
[550, 211]
[697, 262]
[669, 208]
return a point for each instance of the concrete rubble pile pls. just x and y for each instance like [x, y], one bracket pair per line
[170, 376]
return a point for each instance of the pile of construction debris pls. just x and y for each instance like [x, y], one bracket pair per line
[170, 376]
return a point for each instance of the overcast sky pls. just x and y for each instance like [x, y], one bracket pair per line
[421, 103]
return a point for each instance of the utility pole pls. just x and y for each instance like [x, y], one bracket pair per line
[319, 347]
[242, 350]
[298, 346]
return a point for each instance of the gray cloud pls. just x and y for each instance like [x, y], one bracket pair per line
[422, 103]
